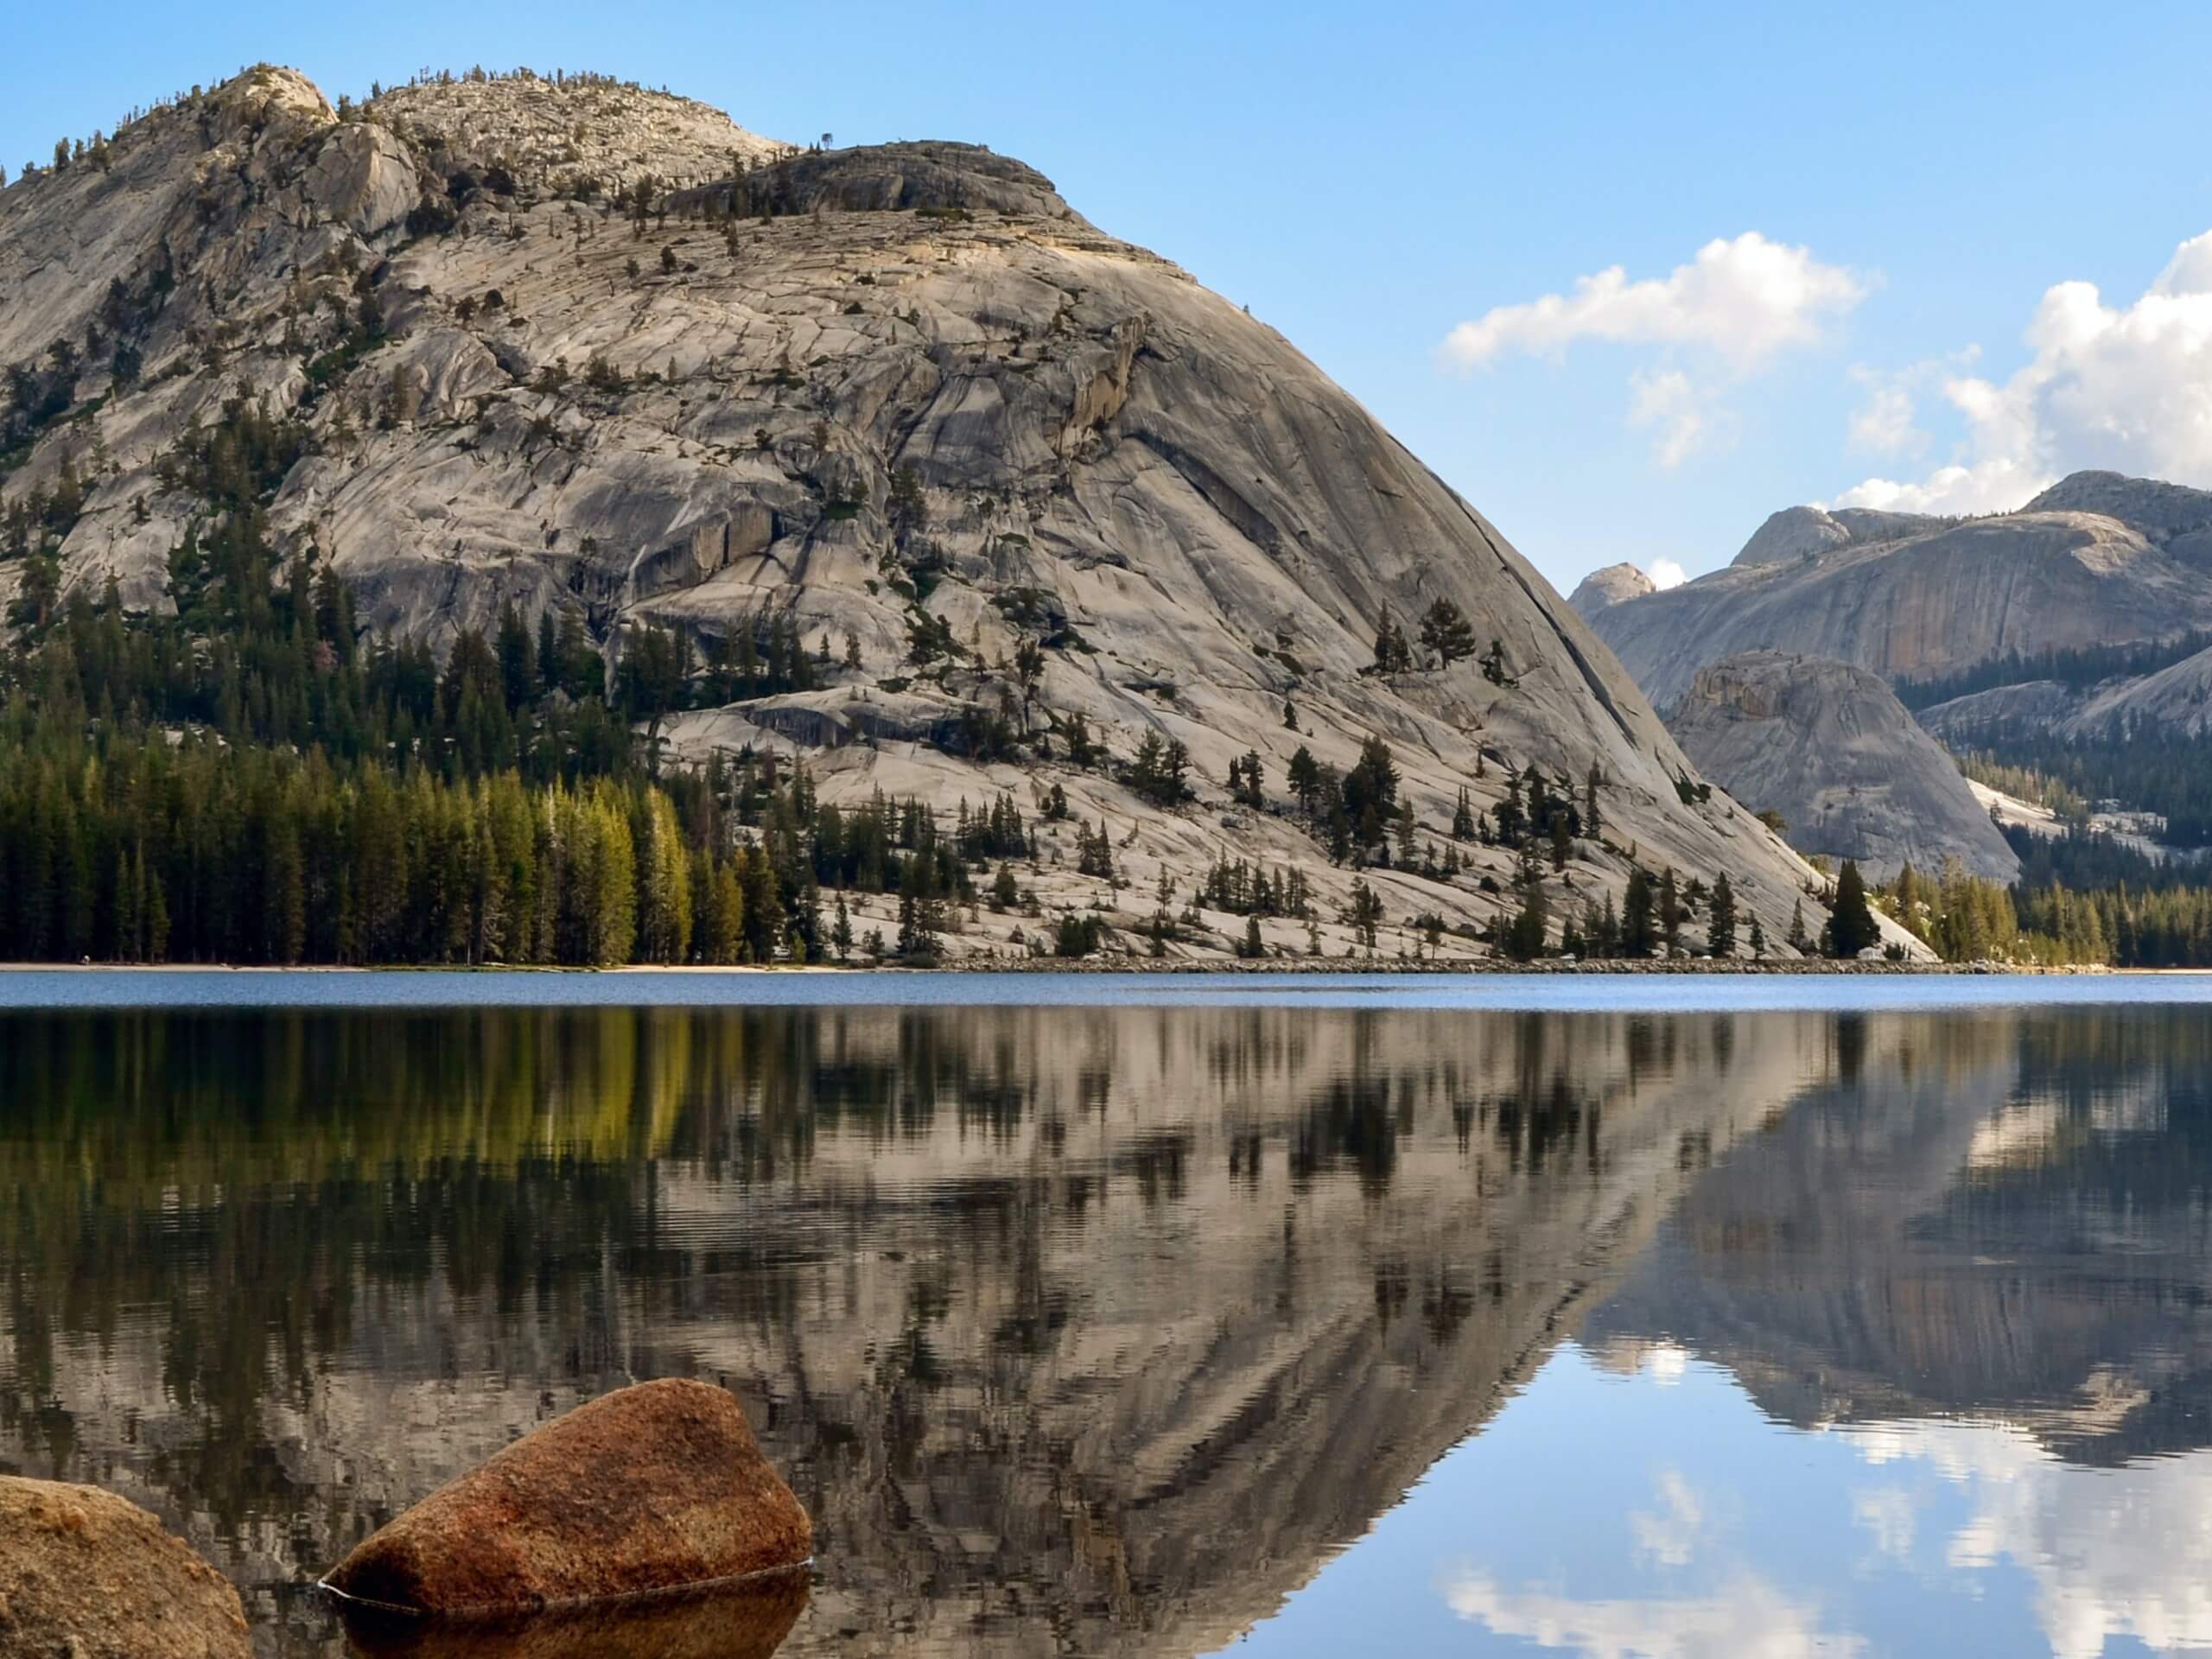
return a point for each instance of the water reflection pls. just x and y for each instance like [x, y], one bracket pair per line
[1105, 1330]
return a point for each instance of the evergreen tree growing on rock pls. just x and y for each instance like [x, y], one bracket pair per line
[1392, 654]
[1852, 927]
[1446, 632]
[1720, 931]
[1638, 934]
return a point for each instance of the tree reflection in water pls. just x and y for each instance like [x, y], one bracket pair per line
[1098, 1329]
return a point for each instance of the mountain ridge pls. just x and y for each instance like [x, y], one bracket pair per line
[2097, 559]
[904, 396]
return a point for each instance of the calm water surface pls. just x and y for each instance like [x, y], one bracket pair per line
[1676, 1317]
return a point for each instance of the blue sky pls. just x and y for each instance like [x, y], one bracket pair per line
[1890, 199]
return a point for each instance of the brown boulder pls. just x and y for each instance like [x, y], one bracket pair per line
[742, 1621]
[85, 1573]
[646, 1489]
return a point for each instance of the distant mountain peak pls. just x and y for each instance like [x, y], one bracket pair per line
[1610, 586]
[2155, 507]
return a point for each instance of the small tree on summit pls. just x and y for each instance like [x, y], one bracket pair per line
[1446, 631]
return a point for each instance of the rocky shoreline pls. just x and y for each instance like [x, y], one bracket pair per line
[1341, 966]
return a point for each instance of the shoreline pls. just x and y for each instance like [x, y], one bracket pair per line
[1337, 967]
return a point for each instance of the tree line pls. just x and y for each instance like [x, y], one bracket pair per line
[2081, 899]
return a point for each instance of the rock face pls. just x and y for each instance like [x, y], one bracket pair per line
[2097, 559]
[1610, 586]
[1831, 748]
[647, 1488]
[2177, 699]
[85, 1573]
[908, 389]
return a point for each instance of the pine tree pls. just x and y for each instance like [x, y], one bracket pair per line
[1253, 946]
[1447, 633]
[1392, 654]
[1638, 935]
[1852, 927]
[1798, 938]
[1524, 936]
[1304, 778]
[1721, 928]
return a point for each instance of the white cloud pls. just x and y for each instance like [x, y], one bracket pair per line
[1890, 1516]
[1745, 299]
[1736, 306]
[1749, 1620]
[1887, 422]
[2112, 1553]
[1995, 486]
[1665, 574]
[1686, 417]
[2124, 387]
[1672, 1534]
[1884, 424]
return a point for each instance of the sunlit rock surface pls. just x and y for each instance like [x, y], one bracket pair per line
[698, 422]
[1830, 748]
[2097, 559]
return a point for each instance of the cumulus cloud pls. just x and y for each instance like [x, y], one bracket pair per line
[1665, 574]
[1746, 299]
[1671, 1535]
[1884, 424]
[2124, 387]
[1997, 485]
[1686, 417]
[1738, 303]
[2113, 1553]
[1750, 1618]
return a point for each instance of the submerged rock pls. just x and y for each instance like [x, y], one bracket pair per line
[647, 1488]
[740, 1620]
[85, 1573]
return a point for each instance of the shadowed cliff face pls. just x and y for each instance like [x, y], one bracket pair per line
[899, 394]
[1081, 1332]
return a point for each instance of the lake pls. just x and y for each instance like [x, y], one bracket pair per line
[1114, 1315]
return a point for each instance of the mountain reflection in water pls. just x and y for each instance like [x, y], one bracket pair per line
[1118, 1330]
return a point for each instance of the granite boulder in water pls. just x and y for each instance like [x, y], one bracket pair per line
[85, 1573]
[648, 1489]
